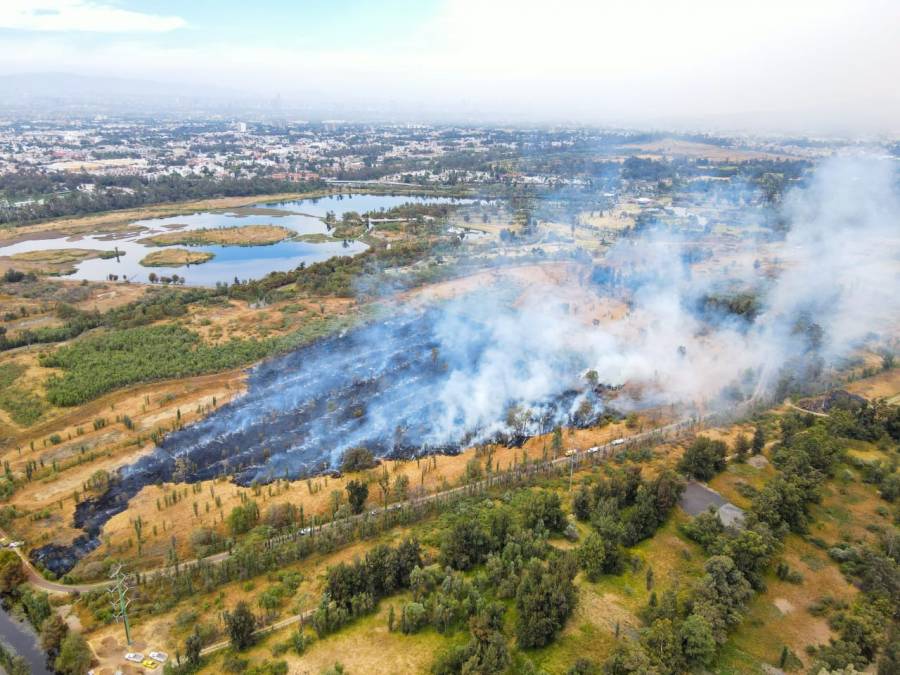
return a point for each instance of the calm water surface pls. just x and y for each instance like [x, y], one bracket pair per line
[21, 638]
[243, 262]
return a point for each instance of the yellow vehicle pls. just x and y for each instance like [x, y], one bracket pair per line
[150, 664]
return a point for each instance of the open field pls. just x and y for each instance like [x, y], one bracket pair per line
[53, 262]
[671, 147]
[242, 235]
[175, 257]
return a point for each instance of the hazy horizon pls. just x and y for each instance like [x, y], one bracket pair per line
[794, 67]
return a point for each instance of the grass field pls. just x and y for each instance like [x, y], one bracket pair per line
[242, 235]
[175, 257]
[54, 262]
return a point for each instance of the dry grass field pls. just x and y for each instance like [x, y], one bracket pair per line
[175, 257]
[53, 262]
[242, 235]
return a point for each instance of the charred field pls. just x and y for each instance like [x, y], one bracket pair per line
[381, 386]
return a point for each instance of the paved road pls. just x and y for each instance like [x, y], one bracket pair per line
[660, 434]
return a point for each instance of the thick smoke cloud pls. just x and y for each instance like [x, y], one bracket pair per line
[505, 362]
[512, 361]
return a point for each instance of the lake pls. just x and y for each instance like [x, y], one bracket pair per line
[303, 216]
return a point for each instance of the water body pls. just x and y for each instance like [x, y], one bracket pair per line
[20, 637]
[243, 262]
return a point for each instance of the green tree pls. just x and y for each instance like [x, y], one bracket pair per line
[243, 518]
[697, 642]
[741, 448]
[53, 632]
[662, 646]
[192, 648]
[12, 572]
[240, 624]
[557, 443]
[628, 658]
[759, 440]
[357, 493]
[591, 556]
[721, 595]
[464, 545]
[544, 600]
[703, 459]
[74, 655]
[543, 508]
[357, 459]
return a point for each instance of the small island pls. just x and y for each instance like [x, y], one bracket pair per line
[175, 257]
[241, 235]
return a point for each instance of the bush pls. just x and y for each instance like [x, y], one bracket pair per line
[357, 459]
[413, 618]
[703, 459]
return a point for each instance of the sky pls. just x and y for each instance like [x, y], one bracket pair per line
[793, 64]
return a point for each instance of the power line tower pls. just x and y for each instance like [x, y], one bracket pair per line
[119, 598]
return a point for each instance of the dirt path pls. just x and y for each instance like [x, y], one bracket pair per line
[278, 625]
[790, 404]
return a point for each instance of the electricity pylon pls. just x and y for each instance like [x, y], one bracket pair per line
[119, 599]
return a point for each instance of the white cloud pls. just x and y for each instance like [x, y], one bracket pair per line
[81, 16]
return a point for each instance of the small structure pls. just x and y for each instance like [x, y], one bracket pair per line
[698, 498]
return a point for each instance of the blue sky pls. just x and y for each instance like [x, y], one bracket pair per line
[602, 61]
[315, 23]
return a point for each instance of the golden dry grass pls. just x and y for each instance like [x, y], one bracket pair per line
[241, 235]
[51, 261]
[175, 257]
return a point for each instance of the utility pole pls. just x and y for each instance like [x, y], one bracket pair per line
[571, 471]
[119, 598]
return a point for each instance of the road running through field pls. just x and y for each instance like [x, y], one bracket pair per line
[659, 434]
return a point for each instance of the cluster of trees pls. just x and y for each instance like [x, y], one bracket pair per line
[243, 517]
[685, 626]
[703, 458]
[150, 308]
[745, 305]
[61, 198]
[352, 589]
[471, 537]
[511, 540]
[864, 420]
[357, 459]
[486, 652]
[107, 361]
[623, 510]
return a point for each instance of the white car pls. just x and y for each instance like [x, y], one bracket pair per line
[134, 657]
[618, 441]
[158, 656]
[16, 544]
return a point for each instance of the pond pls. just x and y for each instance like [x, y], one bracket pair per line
[230, 262]
[19, 637]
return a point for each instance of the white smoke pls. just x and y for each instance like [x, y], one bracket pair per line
[839, 269]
